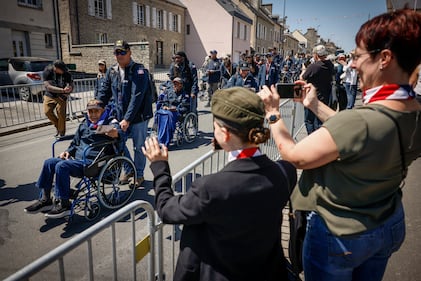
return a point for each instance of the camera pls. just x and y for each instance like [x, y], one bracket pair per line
[289, 90]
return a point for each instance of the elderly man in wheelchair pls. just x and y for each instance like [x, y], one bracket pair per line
[173, 117]
[96, 141]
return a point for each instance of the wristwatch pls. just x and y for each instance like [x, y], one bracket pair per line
[273, 118]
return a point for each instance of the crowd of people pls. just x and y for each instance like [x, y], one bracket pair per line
[353, 206]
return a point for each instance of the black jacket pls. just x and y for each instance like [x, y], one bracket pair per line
[231, 220]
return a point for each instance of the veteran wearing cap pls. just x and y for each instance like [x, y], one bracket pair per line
[71, 162]
[225, 213]
[268, 72]
[243, 79]
[213, 72]
[127, 85]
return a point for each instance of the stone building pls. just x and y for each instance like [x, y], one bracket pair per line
[89, 27]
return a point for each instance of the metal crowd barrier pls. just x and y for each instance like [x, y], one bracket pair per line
[138, 250]
[16, 111]
[211, 162]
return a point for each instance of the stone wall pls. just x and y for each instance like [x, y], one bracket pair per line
[86, 57]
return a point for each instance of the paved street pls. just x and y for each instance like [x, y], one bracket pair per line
[23, 237]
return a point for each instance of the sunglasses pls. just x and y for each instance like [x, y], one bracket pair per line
[120, 53]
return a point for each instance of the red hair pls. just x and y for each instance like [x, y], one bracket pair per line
[398, 31]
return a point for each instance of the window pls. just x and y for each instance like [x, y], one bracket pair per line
[160, 19]
[188, 29]
[101, 38]
[174, 26]
[245, 32]
[174, 48]
[100, 8]
[139, 15]
[31, 3]
[48, 37]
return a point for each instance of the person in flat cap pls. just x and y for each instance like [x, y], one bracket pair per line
[71, 161]
[225, 213]
[129, 88]
[58, 85]
[320, 74]
[213, 73]
[100, 78]
[268, 72]
[243, 79]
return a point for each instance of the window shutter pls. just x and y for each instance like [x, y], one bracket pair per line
[179, 23]
[91, 8]
[164, 20]
[154, 17]
[109, 10]
[148, 16]
[135, 17]
[170, 21]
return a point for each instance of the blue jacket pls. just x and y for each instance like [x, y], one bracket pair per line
[215, 67]
[187, 71]
[237, 80]
[86, 135]
[133, 101]
[179, 101]
[273, 75]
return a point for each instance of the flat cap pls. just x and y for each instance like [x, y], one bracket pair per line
[239, 106]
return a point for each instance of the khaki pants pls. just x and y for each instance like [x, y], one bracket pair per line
[59, 120]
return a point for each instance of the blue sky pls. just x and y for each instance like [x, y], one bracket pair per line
[337, 20]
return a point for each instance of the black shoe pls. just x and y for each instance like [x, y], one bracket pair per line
[60, 210]
[39, 206]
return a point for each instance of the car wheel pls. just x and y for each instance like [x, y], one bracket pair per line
[25, 93]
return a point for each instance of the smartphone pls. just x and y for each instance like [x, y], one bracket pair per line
[289, 90]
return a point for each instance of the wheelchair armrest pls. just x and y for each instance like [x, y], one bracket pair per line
[102, 143]
[63, 138]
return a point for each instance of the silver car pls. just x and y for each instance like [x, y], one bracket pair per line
[24, 70]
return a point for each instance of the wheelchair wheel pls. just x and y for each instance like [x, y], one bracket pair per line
[92, 210]
[190, 127]
[111, 193]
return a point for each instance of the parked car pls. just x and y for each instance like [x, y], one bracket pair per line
[24, 70]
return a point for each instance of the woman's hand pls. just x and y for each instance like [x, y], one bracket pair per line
[270, 98]
[309, 94]
[155, 151]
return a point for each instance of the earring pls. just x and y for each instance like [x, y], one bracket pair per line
[381, 67]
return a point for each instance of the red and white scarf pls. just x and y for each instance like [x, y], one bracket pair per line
[244, 153]
[388, 92]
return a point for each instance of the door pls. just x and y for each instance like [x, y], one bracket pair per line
[159, 53]
[19, 44]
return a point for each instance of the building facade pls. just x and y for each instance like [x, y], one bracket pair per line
[29, 28]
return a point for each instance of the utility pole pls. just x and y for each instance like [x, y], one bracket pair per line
[283, 30]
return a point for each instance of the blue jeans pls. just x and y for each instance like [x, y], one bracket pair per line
[138, 132]
[351, 94]
[311, 121]
[63, 170]
[359, 257]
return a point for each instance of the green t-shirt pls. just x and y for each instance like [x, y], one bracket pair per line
[361, 189]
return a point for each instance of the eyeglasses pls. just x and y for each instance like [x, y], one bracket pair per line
[120, 53]
[357, 56]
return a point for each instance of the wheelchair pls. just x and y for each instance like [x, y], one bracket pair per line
[184, 124]
[100, 185]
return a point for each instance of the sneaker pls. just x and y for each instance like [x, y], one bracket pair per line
[39, 206]
[137, 183]
[59, 210]
[125, 178]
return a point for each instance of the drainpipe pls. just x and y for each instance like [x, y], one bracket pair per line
[232, 39]
[57, 28]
